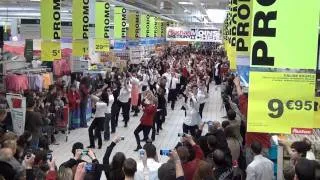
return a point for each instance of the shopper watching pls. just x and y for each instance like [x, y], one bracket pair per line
[114, 170]
[260, 168]
[221, 167]
[152, 163]
[307, 170]
[203, 171]
[84, 91]
[172, 170]
[129, 168]
[189, 165]
[74, 107]
[33, 122]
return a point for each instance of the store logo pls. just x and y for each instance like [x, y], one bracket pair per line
[261, 28]
[124, 23]
[243, 25]
[305, 131]
[85, 19]
[56, 19]
[137, 28]
[106, 20]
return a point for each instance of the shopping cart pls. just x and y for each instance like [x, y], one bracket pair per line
[63, 124]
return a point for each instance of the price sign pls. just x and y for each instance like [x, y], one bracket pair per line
[317, 113]
[50, 50]
[80, 47]
[102, 45]
[280, 102]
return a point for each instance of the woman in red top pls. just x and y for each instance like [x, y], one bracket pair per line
[74, 107]
[146, 121]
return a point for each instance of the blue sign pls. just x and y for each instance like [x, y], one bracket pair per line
[120, 45]
[133, 43]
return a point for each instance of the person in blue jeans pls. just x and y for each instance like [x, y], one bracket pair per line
[84, 91]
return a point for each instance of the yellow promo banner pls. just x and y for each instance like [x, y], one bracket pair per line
[278, 41]
[80, 47]
[159, 27]
[102, 45]
[120, 23]
[134, 25]
[276, 107]
[50, 19]
[152, 26]
[317, 113]
[143, 26]
[102, 18]
[243, 27]
[163, 29]
[233, 34]
[50, 50]
[80, 19]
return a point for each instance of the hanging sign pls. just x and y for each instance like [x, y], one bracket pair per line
[243, 27]
[163, 29]
[274, 104]
[80, 47]
[102, 45]
[152, 26]
[17, 105]
[193, 34]
[80, 19]
[120, 22]
[317, 113]
[148, 24]
[50, 19]
[278, 41]
[50, 50]
[102, 18]
[134, 25]
[159, 26]
[143, 26]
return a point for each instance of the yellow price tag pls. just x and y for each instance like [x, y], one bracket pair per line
[50, 50]
[317, 113]
[102, 45]
[80, 47]
[275, 106]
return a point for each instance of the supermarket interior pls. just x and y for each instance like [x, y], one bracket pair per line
[159, 90]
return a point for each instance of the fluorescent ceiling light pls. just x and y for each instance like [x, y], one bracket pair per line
[217, 15]
[35, 0]
[185, 3]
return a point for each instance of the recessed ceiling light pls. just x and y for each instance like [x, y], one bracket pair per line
[185, 3]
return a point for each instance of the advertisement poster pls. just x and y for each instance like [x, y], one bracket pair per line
[80, 19]
[120, 23]
[274, 104]
[279, 42]
[50, 50]
[134, 25]
[50, 19]
[80, 48]
[17, 105]
[193, 34]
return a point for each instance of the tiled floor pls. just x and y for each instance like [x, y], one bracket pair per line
[167, 139]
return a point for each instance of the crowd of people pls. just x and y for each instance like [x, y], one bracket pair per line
[225, 152]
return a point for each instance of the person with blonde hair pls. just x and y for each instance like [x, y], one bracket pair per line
[65, 173]
[146, 121]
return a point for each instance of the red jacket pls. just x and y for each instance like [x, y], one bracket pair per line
[148, 113]
[72, 98]
[52, 175]
[190, 167]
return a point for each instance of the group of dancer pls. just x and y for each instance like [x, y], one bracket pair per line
[178, 74]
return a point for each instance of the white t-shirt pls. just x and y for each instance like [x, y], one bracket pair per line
[125, 94]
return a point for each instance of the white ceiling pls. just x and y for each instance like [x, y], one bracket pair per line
[186, 14]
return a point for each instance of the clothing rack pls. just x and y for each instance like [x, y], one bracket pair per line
[31, 70]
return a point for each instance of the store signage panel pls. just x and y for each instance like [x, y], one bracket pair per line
[243, 27]
[193, 34]
[50, 19]
[274, 104]
[80, 19]
[102, 18]
[80, 47]
[152, 26]
[120, 23]
[143, 26]
[134, 25]
[278, 40]
[50, 50]
[17, 105]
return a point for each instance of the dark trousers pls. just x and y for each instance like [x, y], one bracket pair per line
[201, 109]
[172, 96]
[146, 131]
[192, 129]
[83, 114]
[97, 126]
[114, 116]
[125, 110]
[107, 127]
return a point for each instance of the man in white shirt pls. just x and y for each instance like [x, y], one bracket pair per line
[124, 103]
[152, 165]
[172, 81]
[260, 168]
[202, 96]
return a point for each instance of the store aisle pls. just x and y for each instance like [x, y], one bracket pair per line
[168, 137]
